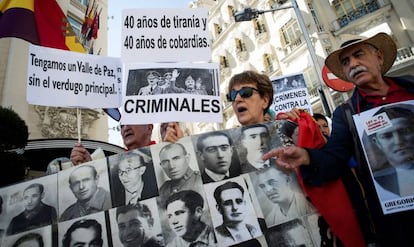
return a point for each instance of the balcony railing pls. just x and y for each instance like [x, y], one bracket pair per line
[291, 46]
[358, 13]
[261, 28]
[313, 92]
[404, 54]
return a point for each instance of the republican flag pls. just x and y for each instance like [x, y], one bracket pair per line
[17, 19]
[40, 22]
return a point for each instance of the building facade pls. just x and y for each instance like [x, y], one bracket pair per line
[273, 43]
[53, 122]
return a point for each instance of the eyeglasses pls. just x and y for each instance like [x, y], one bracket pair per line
[245, 92]
[214, 149]
[127, 171]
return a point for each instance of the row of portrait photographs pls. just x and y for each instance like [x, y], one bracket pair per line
[141, 223]
[207, 166]
[157, 81]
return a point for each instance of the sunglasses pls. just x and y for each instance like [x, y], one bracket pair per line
[245, 92]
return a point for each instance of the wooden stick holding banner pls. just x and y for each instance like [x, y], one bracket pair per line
[79, 119]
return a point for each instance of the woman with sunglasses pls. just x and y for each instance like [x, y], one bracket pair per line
[251, 95]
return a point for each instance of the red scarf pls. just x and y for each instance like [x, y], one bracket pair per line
[331, 199]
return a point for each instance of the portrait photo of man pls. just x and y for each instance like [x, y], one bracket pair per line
[84, 182]
[132, 226]
[36, 213]
[30, 239]
[234, 217]
[151, 88]
[289, 234]
[37, 237]
[255, 142]
[217, 158]
[284, 199]
[395, 143]
[184, 211]
[132, 178]
[84, 232]
[176, 163]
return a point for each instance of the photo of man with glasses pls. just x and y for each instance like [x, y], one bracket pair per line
[131, 179]
[215, 152]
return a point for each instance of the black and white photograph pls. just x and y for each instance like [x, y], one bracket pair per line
[290, 92]
[387, 133]
[136, 225]
[165, 92]
[255, 202]
[217, 156]
[3, 215]
[83, 190]
[156, 81]
[234, 218]
[289, 234]
[38, 237]
[280, 196]
[253, 141]
[30, 205]
[132, 177]
[187, 220]
[176, 167]
[84, 231]
[287, 83]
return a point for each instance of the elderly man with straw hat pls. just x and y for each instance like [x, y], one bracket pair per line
[364, 62]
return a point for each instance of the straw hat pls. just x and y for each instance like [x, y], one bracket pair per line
[381, 41]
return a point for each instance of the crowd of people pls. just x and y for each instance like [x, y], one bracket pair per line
[362, 61]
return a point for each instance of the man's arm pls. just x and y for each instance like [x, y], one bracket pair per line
[319, 165]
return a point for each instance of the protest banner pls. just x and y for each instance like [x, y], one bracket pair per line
[69, 79]
[290, 92]
[387, 135]
[165, 92]
[165, 35]
[267, 222]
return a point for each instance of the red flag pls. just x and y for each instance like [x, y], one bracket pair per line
[95, 26]
[83, 30]
[331, 199]
[53, 27]
[51, 24]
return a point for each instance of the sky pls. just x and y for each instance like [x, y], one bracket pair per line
[115, 8]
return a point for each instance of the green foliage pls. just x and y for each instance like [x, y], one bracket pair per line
[13, 130]
[13, 134]
[13, 168]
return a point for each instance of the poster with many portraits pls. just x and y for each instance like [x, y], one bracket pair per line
[211, 189]
[387, 135]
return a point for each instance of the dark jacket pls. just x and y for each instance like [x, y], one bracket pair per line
[45, 216]
[331, 162]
